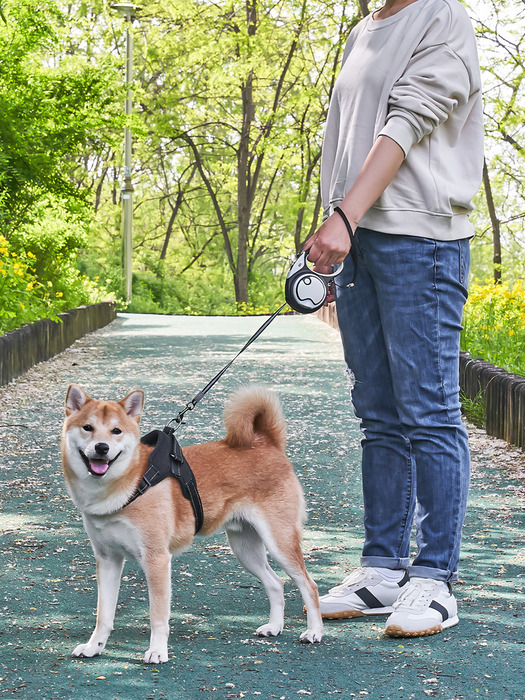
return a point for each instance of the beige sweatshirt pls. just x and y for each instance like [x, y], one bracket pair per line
[415, 78]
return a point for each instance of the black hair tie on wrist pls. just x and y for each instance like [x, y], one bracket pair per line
[352, 242]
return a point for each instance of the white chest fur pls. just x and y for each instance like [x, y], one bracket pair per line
[114, 536]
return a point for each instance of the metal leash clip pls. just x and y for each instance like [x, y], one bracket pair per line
[306, 290]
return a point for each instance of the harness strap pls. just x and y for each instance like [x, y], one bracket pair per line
[167, 460]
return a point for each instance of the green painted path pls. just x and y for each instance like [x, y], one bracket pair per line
[47, 586]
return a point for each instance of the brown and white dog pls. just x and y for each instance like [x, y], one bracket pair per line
[246, 484]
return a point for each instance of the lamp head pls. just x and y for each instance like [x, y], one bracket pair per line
[126, 9]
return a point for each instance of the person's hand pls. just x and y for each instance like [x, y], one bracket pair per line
[329, 245]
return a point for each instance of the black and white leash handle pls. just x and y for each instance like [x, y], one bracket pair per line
[306, 290]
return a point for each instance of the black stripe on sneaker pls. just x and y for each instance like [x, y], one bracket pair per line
[441, 610]
[405, 579]
[368, 598]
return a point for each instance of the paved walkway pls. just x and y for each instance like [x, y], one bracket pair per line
[47, 586]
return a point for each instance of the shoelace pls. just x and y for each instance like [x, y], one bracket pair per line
[417, 594]
[356, 577]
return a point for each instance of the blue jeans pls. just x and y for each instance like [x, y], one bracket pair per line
[400, 325]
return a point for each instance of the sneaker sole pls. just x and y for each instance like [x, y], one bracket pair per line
[349, 614]
[397, 631]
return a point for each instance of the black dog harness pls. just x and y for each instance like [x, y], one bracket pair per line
[167, 460]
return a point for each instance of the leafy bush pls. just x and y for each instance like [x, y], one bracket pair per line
[20, 291]
[494, 324]
[193, 296]
[38, 273]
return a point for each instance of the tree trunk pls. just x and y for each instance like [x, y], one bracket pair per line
[174, 211]
[225, 229]
[363, 6]
[495, 223]
[305, 190]
[244, 193]
[98, 191]
[169, 229]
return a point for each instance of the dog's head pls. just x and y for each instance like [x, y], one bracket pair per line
[100, 436]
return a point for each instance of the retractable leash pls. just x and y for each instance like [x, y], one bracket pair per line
[300, 278]
[305, 291]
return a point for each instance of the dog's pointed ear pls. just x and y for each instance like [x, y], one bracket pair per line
[75, 399]
[133, 404]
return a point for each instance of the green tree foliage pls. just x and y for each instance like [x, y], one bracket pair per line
[50, 112]
[230, 102]
[53, 111]
[500, 27]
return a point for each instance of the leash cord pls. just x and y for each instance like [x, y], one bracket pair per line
[191, 404]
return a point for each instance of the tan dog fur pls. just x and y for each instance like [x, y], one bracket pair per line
[246, 484]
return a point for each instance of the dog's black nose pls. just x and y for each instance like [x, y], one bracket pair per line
[102, 448]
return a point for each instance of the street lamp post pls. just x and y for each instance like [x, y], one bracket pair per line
[126, 9]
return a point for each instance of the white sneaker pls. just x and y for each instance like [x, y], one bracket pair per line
[364, 592]
[425, 607]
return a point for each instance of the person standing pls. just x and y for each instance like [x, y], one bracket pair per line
[402, 159]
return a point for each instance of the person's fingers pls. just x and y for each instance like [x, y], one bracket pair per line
[323, 269]
[329, 245]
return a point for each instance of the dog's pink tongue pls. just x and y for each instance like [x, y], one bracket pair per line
[98, 467]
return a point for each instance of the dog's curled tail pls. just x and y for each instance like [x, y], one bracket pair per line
[252, 411]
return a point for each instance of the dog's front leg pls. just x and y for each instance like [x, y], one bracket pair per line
[158, 575]
[109, 572]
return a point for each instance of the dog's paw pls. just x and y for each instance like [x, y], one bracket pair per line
[311, 636]
[154, 656]
[269, 630]
[87, 651]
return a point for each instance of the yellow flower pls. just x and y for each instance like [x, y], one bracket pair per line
[30, 254]
[511, 333]
[60, 294]
[30, 286]
[23, 307]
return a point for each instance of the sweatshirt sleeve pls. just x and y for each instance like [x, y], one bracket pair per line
[435, 81]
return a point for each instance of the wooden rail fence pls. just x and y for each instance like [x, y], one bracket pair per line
[35, 342]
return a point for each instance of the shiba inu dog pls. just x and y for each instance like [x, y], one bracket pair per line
[246, 484]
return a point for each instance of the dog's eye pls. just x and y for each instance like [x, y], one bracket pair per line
[88, 428]
[116, 431]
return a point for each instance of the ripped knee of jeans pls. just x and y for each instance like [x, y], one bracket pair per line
[350, 376]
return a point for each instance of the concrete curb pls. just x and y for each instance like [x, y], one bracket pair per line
[36, 342]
